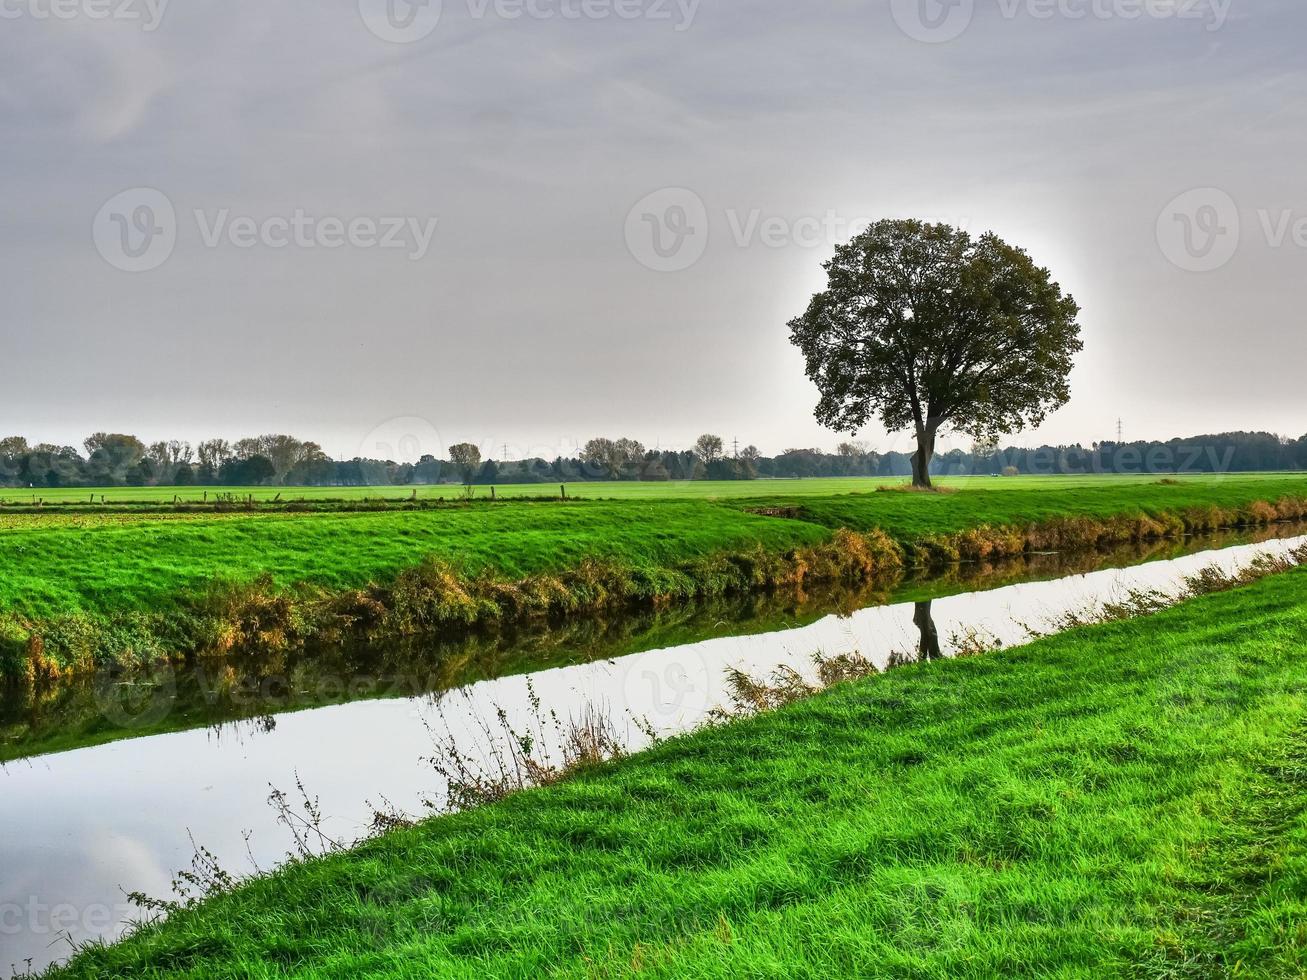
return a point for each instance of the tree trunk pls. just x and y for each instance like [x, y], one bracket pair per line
[922, 457]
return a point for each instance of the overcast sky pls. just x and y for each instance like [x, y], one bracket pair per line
[550, 141]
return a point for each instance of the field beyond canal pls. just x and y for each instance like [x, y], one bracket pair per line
[137, 579]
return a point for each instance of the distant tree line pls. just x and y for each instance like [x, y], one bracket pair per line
[115, 459]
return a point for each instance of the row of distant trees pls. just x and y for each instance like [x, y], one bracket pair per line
[115, 459]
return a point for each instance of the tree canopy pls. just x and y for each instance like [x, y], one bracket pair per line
[467, 458]
[924, 326]
[708, 448]
[613, 457]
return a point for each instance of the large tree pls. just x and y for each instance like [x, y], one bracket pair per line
[467, 459]
[708, 448]
[114, 457]
[14, 446]
[213, 454]
[613, 457]
[926, 327]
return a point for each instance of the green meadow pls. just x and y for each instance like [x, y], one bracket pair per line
[691, 489]
[67, 563]
[1119, 800]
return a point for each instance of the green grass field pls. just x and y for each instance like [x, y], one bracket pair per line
[105, 563]
[57, 564]
[1124, 800]
[691, 489]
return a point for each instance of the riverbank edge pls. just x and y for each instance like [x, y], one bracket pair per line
[1228, 887]
[433, 597]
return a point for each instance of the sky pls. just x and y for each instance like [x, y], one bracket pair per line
[523, 223]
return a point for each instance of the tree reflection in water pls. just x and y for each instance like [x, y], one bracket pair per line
[928, 648]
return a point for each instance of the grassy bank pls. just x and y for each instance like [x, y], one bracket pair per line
[86, 589]
[1120, 800]
[71, 713]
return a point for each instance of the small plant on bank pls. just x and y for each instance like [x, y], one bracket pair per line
[752, 695]
[512, 760]
[974, 642]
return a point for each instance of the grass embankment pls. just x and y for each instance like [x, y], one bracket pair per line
[71, 713]
[82, 590]
[1118, 800]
